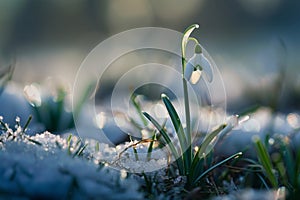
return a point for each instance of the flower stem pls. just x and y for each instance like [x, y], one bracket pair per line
[188, 124]
[186, 37]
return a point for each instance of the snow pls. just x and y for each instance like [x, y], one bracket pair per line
[48, 166]
[49, 171]
[261, 123]
[123, 156]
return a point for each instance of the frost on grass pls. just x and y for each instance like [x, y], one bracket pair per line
[124, 157]
[33, 166]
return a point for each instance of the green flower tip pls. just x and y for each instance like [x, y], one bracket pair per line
[198, 49]
[239, 154]
[163, 95]
[197, 26]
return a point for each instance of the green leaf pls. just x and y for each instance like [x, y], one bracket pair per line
[289, 162]
[199, 154]
[179, 131]
[34, 141]
[80, 150]
[134, 150]
[166, 137]
[27, 123]
[138, 108]
[176, 121]
[234, 156]
[4, 126]
[265, 161]
[69, 143]
[149, 152]
[90, 90]
[208, 140]
[297, 169]
[97, 147]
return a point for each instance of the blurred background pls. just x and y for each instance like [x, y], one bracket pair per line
[255, 43]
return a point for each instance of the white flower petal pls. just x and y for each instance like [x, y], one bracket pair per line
[205, 64]
[196, 75]
[32, 94]
[189, 68]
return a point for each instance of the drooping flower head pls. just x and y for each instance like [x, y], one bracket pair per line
[33, 95]
[196, 66]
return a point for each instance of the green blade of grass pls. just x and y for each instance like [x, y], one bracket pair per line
[297, 169]
[69, 143]
[149, 152]
[134, 149]
[179, 131]
[263, 181]
[4, 126]
[27, 123]
[34, 141]
[202, 149]
[135, 124]
[297, 161]
[175, 120]
[97, 147]
[89, 90]
[265, 161]
[211, 139]
[207, 140]
[135, 153]
[234, 156]
[138, 108]
[288, 161]
[148, 182]
[166, 137]
[80, 150]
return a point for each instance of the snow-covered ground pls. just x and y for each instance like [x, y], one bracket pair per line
[48, 168]
[35, 165]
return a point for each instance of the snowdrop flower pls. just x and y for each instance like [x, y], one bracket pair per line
[33, 95]
[196, 65]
